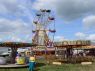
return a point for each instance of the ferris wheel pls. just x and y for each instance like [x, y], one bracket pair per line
[43, 26]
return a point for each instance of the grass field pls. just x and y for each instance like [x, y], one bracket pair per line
[64, 67]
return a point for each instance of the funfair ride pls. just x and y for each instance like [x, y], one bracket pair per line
[41, 32]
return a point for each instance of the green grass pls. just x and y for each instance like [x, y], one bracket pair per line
[14, 69]
[41, 66]
[68, 67]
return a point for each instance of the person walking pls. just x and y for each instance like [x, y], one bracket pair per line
[31, 63]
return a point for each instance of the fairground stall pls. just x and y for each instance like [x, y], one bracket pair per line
[71, 50]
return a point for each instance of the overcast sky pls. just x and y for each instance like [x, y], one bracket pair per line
[75, 19]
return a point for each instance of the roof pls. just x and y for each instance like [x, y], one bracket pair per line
[16, 44]
[87, 47]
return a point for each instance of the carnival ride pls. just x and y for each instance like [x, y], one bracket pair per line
[43, 26]
[68, 47]
[14, 46]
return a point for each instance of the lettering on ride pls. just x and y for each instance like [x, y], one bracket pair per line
[77, 42]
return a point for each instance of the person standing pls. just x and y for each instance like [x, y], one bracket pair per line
[27, 56]
[31, 63]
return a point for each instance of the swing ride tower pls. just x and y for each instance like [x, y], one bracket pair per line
[41, 29]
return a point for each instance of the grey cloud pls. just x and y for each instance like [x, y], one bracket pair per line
[68, 9]
[73, 9]
[15, 37]
[14, 6]
[17, 8]
[89, 22]
[13, 26]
